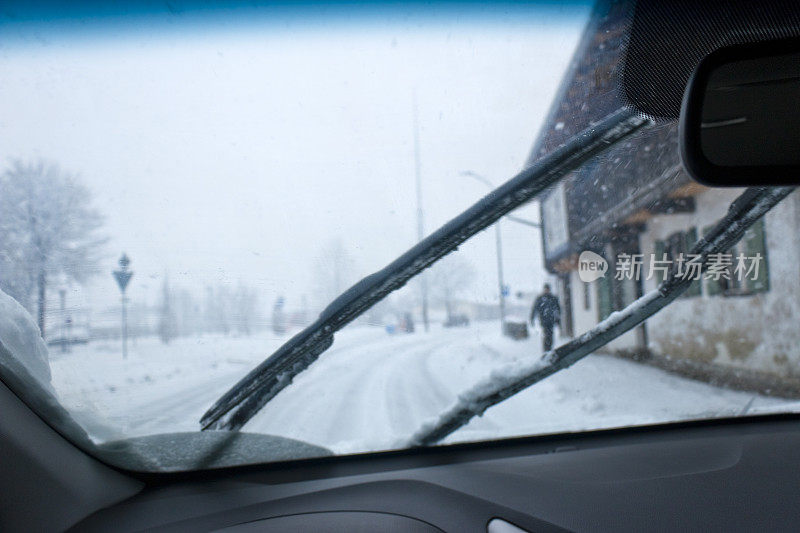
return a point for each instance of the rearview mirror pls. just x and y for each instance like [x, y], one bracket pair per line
[740, 120]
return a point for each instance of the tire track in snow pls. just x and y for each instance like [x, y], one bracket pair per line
[367, 395]
[416, 394]
[180, 409]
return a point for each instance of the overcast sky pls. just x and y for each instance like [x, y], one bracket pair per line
[236, 152]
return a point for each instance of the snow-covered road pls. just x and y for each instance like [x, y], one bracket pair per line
[371, 390]
[361, 390]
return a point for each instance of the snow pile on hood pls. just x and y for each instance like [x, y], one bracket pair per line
[173, 452]
[20, 337]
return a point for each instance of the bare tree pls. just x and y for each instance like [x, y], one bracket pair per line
[334, 272]
[167, 320]
[449, 278]
[245, 309]
[48, 228]
[219, 309]
[228, 309]
[188, 315]
[212, 312]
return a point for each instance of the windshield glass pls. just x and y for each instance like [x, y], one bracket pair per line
[183, 192]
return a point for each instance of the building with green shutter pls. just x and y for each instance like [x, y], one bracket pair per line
[635, 200]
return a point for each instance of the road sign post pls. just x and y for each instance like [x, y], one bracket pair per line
[123, 277]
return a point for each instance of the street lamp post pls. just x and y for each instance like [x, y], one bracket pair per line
[123, 276]
[499, 244]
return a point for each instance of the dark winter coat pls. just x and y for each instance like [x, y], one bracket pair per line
[547, 309]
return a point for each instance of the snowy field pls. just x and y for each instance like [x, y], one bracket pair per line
[372, 390]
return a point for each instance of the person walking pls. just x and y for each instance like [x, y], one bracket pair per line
[548, 310]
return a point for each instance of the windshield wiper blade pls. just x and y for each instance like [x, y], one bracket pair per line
[743, 212]
[259, 386]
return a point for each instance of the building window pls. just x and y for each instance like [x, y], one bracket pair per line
[587, 297]
[676, 244]
[753, 244]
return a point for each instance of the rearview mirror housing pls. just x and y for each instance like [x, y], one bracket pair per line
[740, 118]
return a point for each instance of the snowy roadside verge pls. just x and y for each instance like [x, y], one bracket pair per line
[730, 377]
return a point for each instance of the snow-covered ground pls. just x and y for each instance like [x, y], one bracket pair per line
[372, 390]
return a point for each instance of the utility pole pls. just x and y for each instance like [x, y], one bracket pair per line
[123, 276]
[499, 244]
[420, 215]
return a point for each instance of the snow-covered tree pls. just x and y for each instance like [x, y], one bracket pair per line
[449, 278]
[48, 228]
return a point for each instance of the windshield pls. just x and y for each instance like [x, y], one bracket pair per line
[185, 192]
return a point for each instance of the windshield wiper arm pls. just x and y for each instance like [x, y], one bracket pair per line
[247, 397]
[751, 205]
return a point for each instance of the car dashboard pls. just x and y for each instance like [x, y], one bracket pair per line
[723, 476]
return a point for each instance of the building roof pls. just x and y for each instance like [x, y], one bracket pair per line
[588, 90]
[622, 187]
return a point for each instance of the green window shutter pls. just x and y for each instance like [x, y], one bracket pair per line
[604, 304]
[712, 287]
[658, 256]
[689, 238]
[755, 243]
